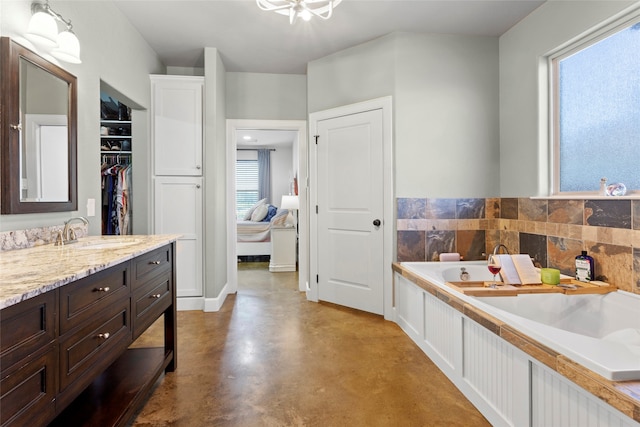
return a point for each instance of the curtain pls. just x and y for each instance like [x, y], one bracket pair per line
[264, 175]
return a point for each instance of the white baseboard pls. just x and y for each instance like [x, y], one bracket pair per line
[215, 304]
[189, 303]
[202, 303]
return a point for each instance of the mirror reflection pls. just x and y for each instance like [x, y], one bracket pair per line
[44, 150]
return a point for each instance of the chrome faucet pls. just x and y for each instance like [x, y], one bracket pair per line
[497, 248]
[68, 233]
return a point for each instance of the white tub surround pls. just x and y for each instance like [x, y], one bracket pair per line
[26, 273]
[509, 373]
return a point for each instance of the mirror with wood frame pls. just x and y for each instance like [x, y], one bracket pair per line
[38, 133]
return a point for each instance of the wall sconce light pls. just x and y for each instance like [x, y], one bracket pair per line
[43, 31]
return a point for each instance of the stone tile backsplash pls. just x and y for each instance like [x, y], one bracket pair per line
[551, 231]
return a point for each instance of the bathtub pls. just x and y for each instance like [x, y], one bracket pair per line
[601, 332]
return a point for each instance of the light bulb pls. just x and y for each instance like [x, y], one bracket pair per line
[305, 15]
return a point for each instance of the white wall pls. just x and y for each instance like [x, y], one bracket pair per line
[112, 51]
[281, 173]
[352, 75]
[446, 116]
[524, 157]
[445, 99]
[215, 176]
[266, 96]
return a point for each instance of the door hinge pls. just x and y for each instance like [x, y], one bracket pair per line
[317, 278]
[316, 137]
[316, 209]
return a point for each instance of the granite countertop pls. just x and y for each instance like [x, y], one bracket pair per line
[26, 273]
[622, 395]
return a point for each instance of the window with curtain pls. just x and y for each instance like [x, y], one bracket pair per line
[596, 99]
[247, 186]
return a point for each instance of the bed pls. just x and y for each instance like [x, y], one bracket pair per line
[254, 230]
[254, 237]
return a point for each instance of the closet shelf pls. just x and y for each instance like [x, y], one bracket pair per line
[115, 136]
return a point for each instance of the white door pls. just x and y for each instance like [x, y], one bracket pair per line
[178, 210]
[177, 125]
[350, 208]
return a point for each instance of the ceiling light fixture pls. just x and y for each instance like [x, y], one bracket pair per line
[43, 31]
[303, 9]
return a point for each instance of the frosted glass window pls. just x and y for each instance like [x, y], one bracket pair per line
[598, 113]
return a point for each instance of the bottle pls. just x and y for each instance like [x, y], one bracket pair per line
[585, 267]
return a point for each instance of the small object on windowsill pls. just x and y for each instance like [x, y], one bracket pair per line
[618, 189]
[603, 186]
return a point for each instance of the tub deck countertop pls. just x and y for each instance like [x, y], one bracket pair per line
[622, 395]
[26, 273]
[480, 289]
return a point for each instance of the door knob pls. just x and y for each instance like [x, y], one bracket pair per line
[376, 222]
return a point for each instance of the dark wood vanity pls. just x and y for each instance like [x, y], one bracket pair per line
[66, 357]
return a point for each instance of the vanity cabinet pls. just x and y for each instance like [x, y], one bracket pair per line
[28, 354]
[152, 288]
[66, 356]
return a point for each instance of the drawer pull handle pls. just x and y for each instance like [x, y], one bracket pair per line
[156, 296]
[105, 289]
[104, 336]
[155, 262]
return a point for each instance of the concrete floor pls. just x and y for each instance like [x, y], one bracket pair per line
[271, 358]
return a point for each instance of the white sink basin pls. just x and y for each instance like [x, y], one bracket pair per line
[105, 243]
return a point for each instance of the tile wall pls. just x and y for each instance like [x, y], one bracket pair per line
[553, 232]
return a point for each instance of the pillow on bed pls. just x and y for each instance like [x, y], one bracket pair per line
[272, 210]
[280, 217]
[259, 213]
[247, 216]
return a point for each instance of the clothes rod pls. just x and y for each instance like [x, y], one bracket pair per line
[255, 149]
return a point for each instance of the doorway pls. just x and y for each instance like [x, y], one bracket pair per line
[299, 153]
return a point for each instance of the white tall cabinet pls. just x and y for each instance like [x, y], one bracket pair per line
[177, 153]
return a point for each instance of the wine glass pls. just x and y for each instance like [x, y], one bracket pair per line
[493, 264]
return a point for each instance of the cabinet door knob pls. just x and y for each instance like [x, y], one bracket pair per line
[376, 222]
[197, 185]
[16, 127]
[104, 336]
[156, 296]
[105, 289]
[198, 167]
[155, 262]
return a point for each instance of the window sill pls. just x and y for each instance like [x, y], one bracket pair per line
[586, 197]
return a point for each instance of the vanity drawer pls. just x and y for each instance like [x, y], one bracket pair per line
[82, 299]
[28, 391]
[89, 350]
[150, 301]
[26, 327]
[149, 265]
